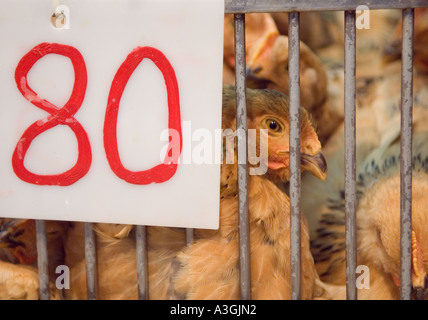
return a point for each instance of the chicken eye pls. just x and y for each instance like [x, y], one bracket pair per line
[274, 126]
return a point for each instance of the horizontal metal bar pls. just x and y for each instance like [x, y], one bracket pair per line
[350, 156]
[42, 259]
[248, 6]
[406, 154]
[295, 217]
[241, 126]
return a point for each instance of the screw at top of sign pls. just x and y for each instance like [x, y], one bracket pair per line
[60, 19]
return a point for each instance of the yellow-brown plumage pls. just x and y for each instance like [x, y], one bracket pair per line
[267, 67]
[209, 268]
[257, 25]
[18, 257]
[378, 191]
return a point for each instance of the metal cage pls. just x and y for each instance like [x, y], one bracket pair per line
[239, 8]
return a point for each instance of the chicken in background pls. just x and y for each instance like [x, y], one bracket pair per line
[378, 224]
[392, 51]
[115, 260]
[19, 278]
[378, 219]
[208, 268]
[317, 29]
[371, 43]
[267, 67]
[257, 25]
[321, 61]
[378, 191]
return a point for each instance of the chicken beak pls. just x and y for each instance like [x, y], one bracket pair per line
[254, 81]
[315, 164]
[8, 232]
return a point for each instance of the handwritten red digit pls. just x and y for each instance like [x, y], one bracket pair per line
[167, 169]
[58, 116]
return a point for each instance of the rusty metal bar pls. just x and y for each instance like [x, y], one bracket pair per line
[42, 259]
[142, 262]
[406, 154]
[295, 215]
[249, 6]
[350, 156]
[91, 262]
[241, 129]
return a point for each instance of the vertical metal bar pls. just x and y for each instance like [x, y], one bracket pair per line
[406, 153]
[42, 259]
[294, 91]
[350, 157]
[241, 127]
[91, 262]
[142, 273]
[189, 236]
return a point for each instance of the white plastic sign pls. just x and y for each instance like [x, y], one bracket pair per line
[99, 105]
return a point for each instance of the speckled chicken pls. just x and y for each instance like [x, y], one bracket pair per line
[378, 224]
[209, 267]
[378, 191]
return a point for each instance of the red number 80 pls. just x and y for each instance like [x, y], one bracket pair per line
[65, 116]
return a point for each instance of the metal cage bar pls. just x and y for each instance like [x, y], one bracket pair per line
[406, 153]
[91, 262]
[295, 215]
[189, 235]
[42, 259]
[241, 129]
[142, 262]
[350, 156]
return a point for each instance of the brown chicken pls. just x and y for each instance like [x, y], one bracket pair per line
[378, 191]
[257, 25]
[378, 221]
[18, 250]
[268, 64]
[317, 29]
[392, 51]
[208, 268]
[267, 67]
